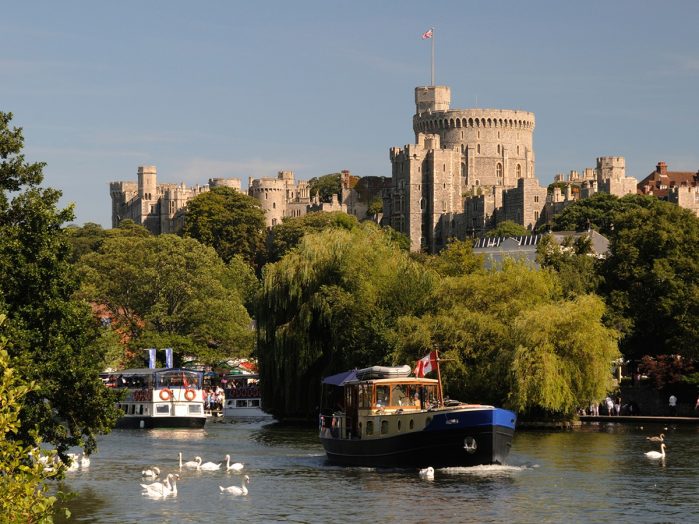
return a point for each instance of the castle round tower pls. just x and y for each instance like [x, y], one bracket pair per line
[496, 144]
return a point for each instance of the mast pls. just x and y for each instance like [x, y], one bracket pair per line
[439, 379]
[432, 29]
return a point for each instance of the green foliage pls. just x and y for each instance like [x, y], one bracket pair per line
[577, 269]
[651, 279]
[285, 236]
[326, 186]
[375, 207]
[668, 370]
[51, 334]
[25, 497]
[489, 324]
[508, 228]
[229, 221]
[168, 291]
[456, 259]
[331, 304]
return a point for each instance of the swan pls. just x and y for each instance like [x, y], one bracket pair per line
[162, 489]
[659, 438]
[208, 466]
[151, 473]
[427, 473]
[84, 461]
[191, 463]
[656, 454]
[73, 462]
[235, 490]
[236, 467]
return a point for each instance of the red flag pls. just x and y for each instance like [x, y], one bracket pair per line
[426, 364]
[427, 34]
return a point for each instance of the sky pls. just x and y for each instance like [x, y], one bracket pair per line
[246, 89]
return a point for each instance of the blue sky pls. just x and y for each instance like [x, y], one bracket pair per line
[232, 88]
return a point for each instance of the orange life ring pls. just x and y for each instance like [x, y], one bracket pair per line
[165, 394]
[189, 394]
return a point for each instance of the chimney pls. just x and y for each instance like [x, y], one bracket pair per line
[661, 168]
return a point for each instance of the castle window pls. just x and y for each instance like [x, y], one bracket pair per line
[518, 150]
[498, 170]
[498, 134]
[274, 205]
[498, 149]
[462, 136]
[478, 149]
[519, 170]
[479, 134]
[274, 221]
[536, 198]
[536, 215]
[444, 167]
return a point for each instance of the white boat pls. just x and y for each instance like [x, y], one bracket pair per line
[160, 398]
[243, 398]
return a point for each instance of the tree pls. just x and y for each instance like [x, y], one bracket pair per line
[51, 334]
[23, 478]
[508, 228]
[578, 270]
[283, 237]
[329, 305]
[168, 291]
[651, 279]
[490, 325]
[229, 221]
[375, 207]
[325, 186]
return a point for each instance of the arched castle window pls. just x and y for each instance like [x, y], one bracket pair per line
[519, 170]
[498, 170]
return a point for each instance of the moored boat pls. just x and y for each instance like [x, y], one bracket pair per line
[160, 398]
[403, 421]
[243, 400]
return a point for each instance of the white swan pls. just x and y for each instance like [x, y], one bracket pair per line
[162, 489]
[191, 463]
[656, 454]
[235, 490]
[73, 462]
[208, 466]
[151, 473]
[84, 461]
[427, 473]
[236, 467]
[659, 438]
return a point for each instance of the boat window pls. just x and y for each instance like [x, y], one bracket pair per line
[399, 424]
[384, 427]
[369, 427]
[382, 395]
[364, 396]
[194, 408]
[241, 403]
[140, 409]
[399, 395]
[133, 408]
[255, 402]
[162, 408]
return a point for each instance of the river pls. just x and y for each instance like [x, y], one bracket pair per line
[595, 474]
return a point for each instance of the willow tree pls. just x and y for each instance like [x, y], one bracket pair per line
[480, 322]
[331, 304]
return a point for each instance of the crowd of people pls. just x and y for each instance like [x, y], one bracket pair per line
[214, 397]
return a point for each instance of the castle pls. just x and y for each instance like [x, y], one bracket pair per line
[471, 169]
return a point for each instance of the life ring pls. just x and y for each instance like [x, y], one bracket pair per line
[189, 394]
[165, 394]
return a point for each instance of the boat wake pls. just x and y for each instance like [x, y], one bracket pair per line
[493, 470]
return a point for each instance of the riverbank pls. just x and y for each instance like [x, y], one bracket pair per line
[639, 419]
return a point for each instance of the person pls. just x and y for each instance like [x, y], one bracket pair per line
[696, 405]
[617, 406]
[609, 403]
[672, 402]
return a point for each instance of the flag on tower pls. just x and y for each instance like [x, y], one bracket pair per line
[427, 34]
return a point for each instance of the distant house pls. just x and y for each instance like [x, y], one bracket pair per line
[523, 248]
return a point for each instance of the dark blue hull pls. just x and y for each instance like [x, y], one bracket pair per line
[452, 438]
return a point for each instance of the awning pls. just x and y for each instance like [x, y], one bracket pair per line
[340, 378]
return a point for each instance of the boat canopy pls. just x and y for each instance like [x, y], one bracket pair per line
[341, 378]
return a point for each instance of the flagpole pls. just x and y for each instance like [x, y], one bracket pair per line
[439, 379]
[433, 38]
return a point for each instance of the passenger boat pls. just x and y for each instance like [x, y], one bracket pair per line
[160, 398]
[243, 400]
[386, 418]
